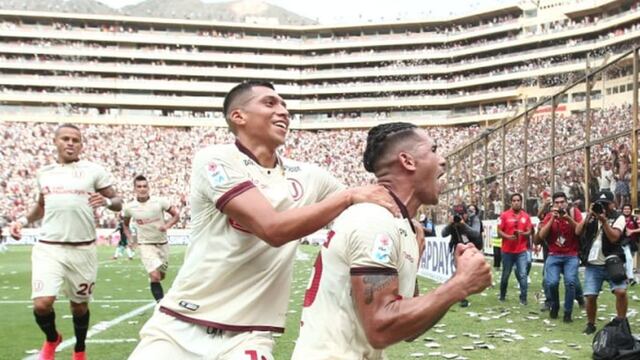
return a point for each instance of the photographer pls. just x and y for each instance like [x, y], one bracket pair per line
[462, 233]
[603, 228]
[560, 229]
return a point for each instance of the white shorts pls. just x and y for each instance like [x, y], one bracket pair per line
[72, 269]
[155, 257]
[164, 337]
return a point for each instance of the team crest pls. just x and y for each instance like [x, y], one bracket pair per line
[295, 189]
[216, 174]
[382, 248]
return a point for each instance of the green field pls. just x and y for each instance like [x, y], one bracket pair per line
[516, 332]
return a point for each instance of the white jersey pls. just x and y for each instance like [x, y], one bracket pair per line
[149, 217]
[365, 239]
[231, 279]
[68, 217]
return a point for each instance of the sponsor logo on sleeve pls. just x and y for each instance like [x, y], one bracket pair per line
[382, 249]
[216, 174]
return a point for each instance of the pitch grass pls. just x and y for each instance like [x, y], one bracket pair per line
[126, 280]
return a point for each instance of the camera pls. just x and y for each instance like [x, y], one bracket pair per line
[597, 207]
[457, 218]
[561, 212]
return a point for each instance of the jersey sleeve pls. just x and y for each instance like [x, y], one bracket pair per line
[220, 179]
[328, 184]
[374, 247]
[126, 212]
[165, 204]
[103, 178]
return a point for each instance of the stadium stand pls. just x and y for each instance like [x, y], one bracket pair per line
[149, 90]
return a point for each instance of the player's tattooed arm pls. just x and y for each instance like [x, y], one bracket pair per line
[388, 318]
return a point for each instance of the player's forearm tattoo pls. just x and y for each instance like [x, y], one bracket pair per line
[374, 283]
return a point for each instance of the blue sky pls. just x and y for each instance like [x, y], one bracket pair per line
[363, 10]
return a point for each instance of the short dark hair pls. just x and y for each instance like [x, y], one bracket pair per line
[239, 90]
[559, 194]
[514, 195]
[139, 178]
[381, 138]
[66, 125]
[627, 204]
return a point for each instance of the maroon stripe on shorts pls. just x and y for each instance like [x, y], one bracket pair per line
[67, 243]
[225, 327]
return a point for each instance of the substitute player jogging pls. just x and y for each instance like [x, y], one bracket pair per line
[248, 207]
[148, 214]
[64, 258]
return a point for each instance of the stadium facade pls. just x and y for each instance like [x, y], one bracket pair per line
[476, 68]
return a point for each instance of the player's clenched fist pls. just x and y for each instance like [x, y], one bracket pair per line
[471, 269]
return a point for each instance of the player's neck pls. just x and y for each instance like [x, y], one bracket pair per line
[62, 161]
[264, 155]
[405, 193]
[143, 199]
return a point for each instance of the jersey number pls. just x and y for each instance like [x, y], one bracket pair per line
[253, 355]
[85, 289]
[312, 290]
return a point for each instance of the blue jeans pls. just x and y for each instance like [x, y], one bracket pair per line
[520, 261]
[594, 276]
[568, 267]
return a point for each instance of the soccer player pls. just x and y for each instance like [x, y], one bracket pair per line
[363, 295]
[148, 214]
[65, 258]
[123, 243]
[249, 205]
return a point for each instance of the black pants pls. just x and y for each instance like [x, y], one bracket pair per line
[497, 257]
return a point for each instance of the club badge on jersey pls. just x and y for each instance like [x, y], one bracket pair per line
[216, 174]
[382, 248]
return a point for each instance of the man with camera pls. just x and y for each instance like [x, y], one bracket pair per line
[560, 229]
[464, 227]
[514, 227]
[603, 228]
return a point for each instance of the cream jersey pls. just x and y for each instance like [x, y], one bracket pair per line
[66, 188]
[365, 239]
[148, 217]
[230, 278]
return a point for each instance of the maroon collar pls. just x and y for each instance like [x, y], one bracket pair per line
[403, 209]
[243, 149]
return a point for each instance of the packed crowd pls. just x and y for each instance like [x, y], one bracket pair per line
[164, 155]
[610, 162]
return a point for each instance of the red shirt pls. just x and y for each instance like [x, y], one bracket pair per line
[632, 225]
[562, 239]
[509, 222]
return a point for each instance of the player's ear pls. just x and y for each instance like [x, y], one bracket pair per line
[237, 117]
[407, 161]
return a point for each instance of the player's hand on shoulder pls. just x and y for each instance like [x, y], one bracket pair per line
[472, 269]
[376, 194]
